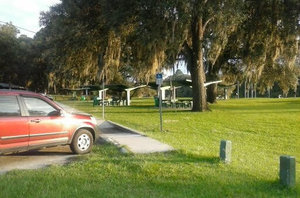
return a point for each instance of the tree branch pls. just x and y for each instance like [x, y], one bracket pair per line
[188, 53]
[187, 47]
[206, 23]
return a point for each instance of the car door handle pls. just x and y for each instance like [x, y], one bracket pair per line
[35, 120]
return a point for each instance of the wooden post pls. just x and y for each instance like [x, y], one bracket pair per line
[287, 171]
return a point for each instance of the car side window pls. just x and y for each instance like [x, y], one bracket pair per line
[38, 107]
[9, 106]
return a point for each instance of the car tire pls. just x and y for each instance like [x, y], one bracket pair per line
[82, 142]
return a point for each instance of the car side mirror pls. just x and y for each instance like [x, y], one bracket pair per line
[55, 113]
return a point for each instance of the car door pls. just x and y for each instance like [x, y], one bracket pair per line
[14, 128]
[46, 124]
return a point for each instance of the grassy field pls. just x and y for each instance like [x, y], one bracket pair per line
[260, 130]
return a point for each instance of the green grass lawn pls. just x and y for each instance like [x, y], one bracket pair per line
[260, 130]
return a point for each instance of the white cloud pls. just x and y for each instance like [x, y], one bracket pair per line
[24, 14]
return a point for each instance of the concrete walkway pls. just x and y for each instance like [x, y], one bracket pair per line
[128, 140]
[36, 159]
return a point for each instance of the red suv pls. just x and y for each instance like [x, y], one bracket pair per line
[31, 121]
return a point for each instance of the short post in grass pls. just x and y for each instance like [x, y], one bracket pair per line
[287, 172]
[225, 151]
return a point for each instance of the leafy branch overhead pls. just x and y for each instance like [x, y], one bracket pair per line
[83, 41]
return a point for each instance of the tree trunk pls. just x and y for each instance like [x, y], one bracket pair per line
[197, 67]
[211, 90]
[211, 93]
[199, 95]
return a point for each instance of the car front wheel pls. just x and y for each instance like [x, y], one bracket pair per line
[82, 142]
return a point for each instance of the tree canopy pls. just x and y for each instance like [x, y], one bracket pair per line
[85, 41]
[16, 57]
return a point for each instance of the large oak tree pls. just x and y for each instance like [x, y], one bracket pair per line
[96, 38]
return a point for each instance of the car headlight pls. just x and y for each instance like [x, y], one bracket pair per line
[94, 121]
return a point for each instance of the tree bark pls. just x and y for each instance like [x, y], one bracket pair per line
[211, 90]
[197, 67]
[212, 93]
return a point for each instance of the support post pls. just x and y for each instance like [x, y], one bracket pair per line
[225, 93]
[245, 90]
[103, 98]
[163, 94]
[174, 93]
[287, 171]
[128, 97]
[160, 108]
[238, 89]
[128, 93]
[251, 89]
[225, 151]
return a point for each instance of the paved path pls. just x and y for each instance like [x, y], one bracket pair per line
[130, 139]
[125, 138]
[36, 159]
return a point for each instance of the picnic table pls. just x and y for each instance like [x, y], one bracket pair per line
[181, 103]
[109, 102]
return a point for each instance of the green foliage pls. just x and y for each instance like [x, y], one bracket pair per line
[266, 45]
[8, 50]
[83, 42]
[17, 57]
[69, 45]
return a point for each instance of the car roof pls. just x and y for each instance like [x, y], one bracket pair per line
[14, 92]
[17, 92]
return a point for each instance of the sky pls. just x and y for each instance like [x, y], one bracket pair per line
[24, 13]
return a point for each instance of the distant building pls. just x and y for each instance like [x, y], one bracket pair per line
[10, 86]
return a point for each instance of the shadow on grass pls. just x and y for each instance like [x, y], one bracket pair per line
[264, 107]
[176, 156]
[181, 157]
[176, 174]
[269, 112]
[109, 173]
[149, 110]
